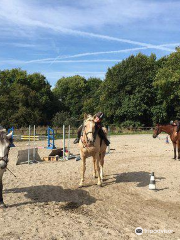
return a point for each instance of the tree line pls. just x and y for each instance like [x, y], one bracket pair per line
[139, 91]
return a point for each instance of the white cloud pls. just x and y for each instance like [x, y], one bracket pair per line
[20, 45]
[66, 19]
[21, 62]
[53, 60]
[11, 62]
[82, 14]
[62, 59]
[86, 61]
[52, 20]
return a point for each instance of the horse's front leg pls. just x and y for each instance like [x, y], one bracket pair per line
[98, 169]
[174, 145]
[94, 167]
[1, 189]
[102, 155]
[178, 146]
[83, 170]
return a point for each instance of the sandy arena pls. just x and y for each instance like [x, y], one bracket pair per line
[45, 203]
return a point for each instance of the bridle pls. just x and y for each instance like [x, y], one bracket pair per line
[157, 130]
[85, 142]
[86, 133]
[5, 159]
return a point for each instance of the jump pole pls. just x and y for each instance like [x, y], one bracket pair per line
[69, 133]
[63, 142]
[29, 145]
[34, 149]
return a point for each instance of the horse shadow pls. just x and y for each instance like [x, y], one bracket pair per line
[141, 178]
[48, 193]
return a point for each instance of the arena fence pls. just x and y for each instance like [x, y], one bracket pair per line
[58, 131]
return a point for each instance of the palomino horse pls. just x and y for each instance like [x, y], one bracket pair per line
[4, 151]
[171, 130]
[91, 145]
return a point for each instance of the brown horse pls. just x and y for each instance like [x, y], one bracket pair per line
[91, 145]
[171, 130]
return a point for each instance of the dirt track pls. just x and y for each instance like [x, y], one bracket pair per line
[44, 201]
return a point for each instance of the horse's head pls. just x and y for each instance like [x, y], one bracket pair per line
[5, 141]
[89, 128]
[157, 131]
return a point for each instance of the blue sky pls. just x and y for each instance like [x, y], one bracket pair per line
[66, 37]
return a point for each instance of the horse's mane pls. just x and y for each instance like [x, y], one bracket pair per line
[89, 118]
[164, 124]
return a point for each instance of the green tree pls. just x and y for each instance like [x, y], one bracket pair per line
[167, 85]
[64, 118]
[71, 92]
[24, 99]
[127, 92]
[92, 96]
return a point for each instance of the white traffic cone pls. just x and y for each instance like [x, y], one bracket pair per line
[152, 184]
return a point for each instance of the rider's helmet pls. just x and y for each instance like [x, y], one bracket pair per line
[100, 115]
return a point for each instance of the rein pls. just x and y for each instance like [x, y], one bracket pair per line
[5, 160]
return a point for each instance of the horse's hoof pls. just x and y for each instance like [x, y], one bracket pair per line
[2, 205]
[100, 184]
[80, 185]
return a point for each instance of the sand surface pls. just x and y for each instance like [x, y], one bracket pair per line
[44, 201]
